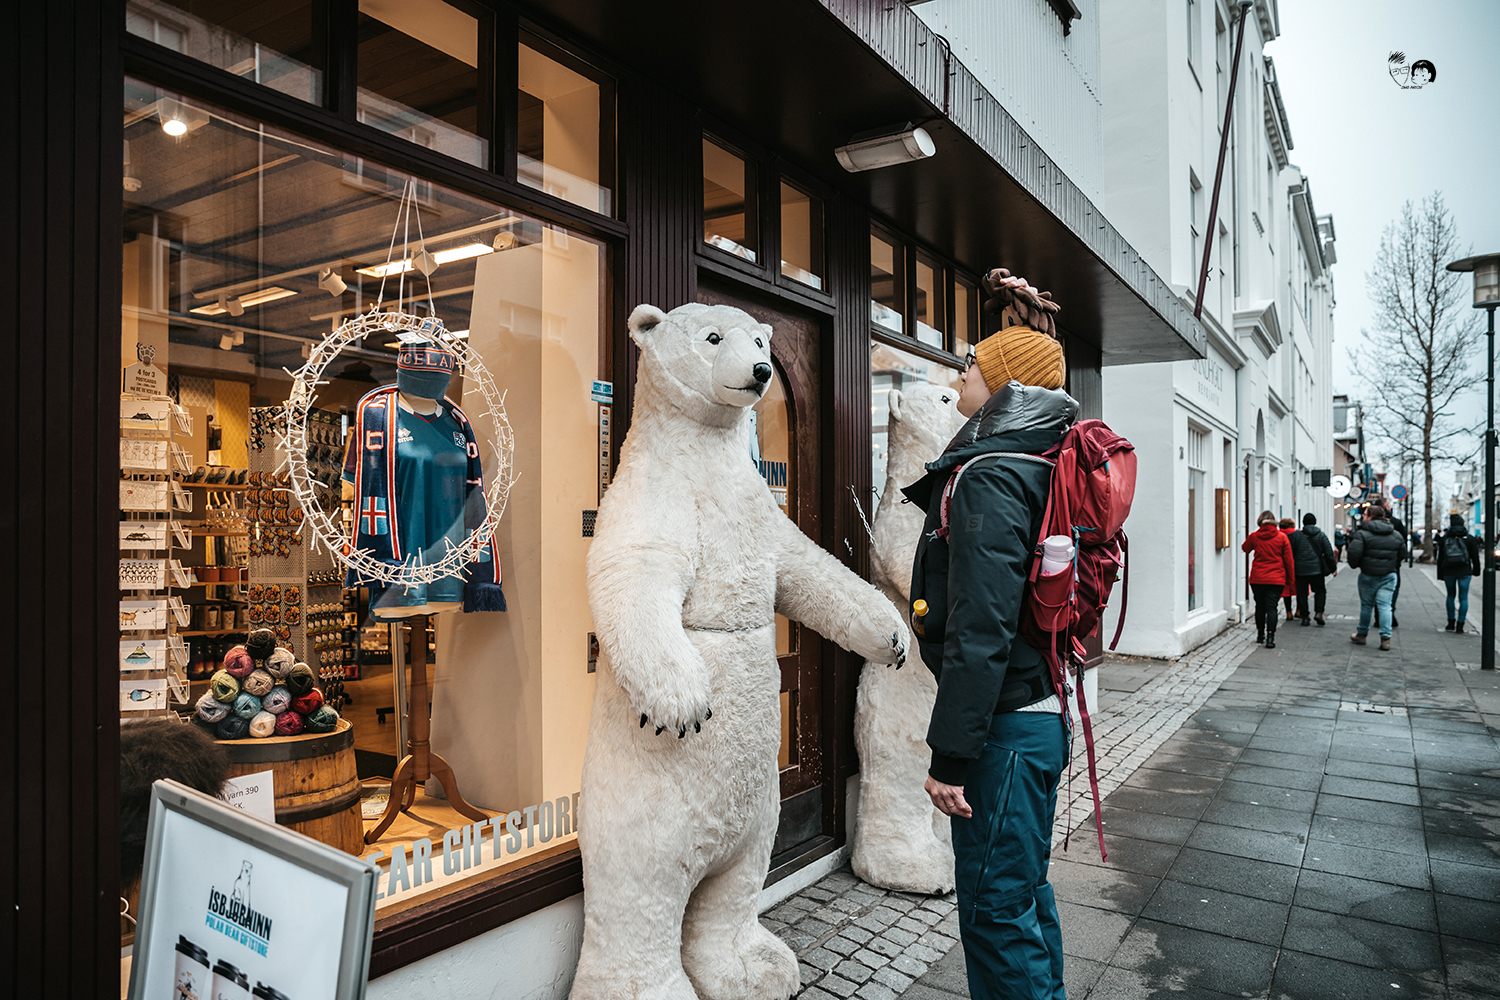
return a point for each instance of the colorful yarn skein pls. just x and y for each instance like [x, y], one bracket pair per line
[277, 700]
[232, 727]
[324, 720]
[224, 687]
[246, 705]
[280, 663]
[263, 725]
[237, 663]
[301, 680]
[308, 703]
[260, 643]
[210, 709]
[288, 724]
[258, 683]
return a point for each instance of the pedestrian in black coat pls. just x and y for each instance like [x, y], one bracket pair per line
[1314, 558]
[1458, 562]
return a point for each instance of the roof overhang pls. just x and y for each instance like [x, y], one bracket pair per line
[803, 76]
[1307, 229]
[1261, 324]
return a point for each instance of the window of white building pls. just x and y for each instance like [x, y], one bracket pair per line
[1195, 32]
[1197, 506]
[1195, 223]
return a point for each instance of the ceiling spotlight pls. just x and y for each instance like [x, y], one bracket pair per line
[330, 282]
[307, 350]
[178, 119]
[235, 307]
[226, 342]
[239, 337]
[885, 147]
[504, 240]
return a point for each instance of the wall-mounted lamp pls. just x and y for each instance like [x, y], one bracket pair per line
[330, 282]
[885, 147]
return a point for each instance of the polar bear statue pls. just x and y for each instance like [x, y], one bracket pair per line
[900, 840]
[690, 563]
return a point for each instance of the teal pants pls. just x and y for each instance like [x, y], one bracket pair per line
[1007, 916]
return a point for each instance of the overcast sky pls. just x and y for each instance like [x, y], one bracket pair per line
[1367, 146]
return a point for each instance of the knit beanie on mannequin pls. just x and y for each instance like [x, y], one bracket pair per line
[1022, 354]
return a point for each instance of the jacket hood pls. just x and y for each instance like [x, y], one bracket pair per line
[1268, 529]
[1454, 529]
[1379, 527]
[1018, 417]
[1311, 529]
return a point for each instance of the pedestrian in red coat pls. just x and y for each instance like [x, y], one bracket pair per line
[1270, 572]
[1288, 528]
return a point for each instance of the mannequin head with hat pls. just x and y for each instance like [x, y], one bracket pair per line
[423, 372]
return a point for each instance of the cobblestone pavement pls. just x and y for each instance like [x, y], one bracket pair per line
[855, 940]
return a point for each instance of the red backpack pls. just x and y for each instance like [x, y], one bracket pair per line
[1093, 485]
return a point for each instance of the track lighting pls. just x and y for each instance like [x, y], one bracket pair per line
[330, 282]
[885, 147]
[226, 342]
[235, 307]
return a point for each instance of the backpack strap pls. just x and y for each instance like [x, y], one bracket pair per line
[952, 484]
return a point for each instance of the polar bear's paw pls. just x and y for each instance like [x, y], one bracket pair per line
[880, 636]
[759, 966]
[675, 703]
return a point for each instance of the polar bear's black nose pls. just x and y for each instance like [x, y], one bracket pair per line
[762, 373]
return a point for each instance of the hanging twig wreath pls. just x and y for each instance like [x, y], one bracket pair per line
[326, 530]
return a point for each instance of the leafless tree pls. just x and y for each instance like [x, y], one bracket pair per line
[1419, 358]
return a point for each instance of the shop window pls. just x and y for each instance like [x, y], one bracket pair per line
[772, 453]
[887, 285]
[893, 368]
[226, 286]
[565, 128]
[1197, 505]
[270, 43]
[928, 307]
[965, 317]
[419, 76]
[801, 236]
[729, 202]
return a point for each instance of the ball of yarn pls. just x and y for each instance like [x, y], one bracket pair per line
[308, 703]
[223, 687]
[237, 663]
[301, 680]
[246, 705]
[258, 683]
[277, 700]
[263, 725]
[260, 643]
[288, 724]
[322, 721]
[232, 727]
[280, 663]
[210, 709]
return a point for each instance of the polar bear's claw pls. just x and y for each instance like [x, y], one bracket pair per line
[900, 649]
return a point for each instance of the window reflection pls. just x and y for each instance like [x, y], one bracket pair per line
[891, 368]
[886, 285]
[729, 208]
[419, 76]
[270, 42]
[965, 316]
[929, 304]
[565, 136]
[772, 451]
[801, 236]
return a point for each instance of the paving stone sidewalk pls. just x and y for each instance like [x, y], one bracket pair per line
[853, 939]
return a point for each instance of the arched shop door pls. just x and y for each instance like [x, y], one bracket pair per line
[786, 447]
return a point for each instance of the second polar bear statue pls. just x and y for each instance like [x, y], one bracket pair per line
[901, 841]
[690, 563]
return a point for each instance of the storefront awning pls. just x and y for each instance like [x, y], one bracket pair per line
[804, 75]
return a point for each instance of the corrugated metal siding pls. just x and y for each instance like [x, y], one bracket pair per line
[898, 36]
[1046, 80]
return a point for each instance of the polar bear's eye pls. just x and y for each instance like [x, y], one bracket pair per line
[714, 338]
[945, 399]
[758, 343]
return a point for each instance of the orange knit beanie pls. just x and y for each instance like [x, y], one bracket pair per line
[1023, 354]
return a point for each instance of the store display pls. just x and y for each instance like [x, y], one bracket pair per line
[238, 664]
[265, 704]
[258, 682]
[224, 687]
[280, 663]
[210, 708]
[684, 485]
[288, 724]
[300, 680]
[245, 705]
[232, 727]
[277, 700]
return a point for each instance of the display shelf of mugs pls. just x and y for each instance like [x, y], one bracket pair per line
[153, 657]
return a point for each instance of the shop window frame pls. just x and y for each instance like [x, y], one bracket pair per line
[950, 274]
[762, 245]
[534, 37]
[430, 926]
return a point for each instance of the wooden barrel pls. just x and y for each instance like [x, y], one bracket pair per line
[314, 781]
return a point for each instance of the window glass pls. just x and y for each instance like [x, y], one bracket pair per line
[419, 76]
[729, 219]
[1197, 508]
[801, 236]
[565, 131]
[891, 368]
[886, 285]
[226, 286]
[929, 304]
[270, 42]
[965, 317]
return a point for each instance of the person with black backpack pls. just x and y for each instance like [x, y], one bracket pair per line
[1313, 559]
[999, 740]
[1458, 562]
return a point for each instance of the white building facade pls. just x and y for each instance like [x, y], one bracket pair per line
[1245, 426]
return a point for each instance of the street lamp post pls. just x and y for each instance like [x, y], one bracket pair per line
[1486, 268]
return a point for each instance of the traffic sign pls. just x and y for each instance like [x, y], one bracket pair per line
[1398, 492]
[1356, 493]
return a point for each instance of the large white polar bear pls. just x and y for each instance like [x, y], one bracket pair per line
[900, 840]
[690, 562]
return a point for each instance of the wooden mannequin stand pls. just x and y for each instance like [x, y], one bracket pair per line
[420, 763]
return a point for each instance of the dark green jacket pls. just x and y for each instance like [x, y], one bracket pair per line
[973, 582]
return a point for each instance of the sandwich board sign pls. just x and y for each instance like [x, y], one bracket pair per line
[231, 903]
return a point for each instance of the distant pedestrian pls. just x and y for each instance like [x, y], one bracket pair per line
[1457, 563]
[1269, 573]
[1288, 528]
[1313, 558]
[1376, 550]
[1401, 532]
[1339, 541]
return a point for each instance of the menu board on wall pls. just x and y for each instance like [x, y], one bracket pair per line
[231, 903]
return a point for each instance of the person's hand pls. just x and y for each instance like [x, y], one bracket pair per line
[948, 799]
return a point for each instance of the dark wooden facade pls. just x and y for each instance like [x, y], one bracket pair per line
[61, 215]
